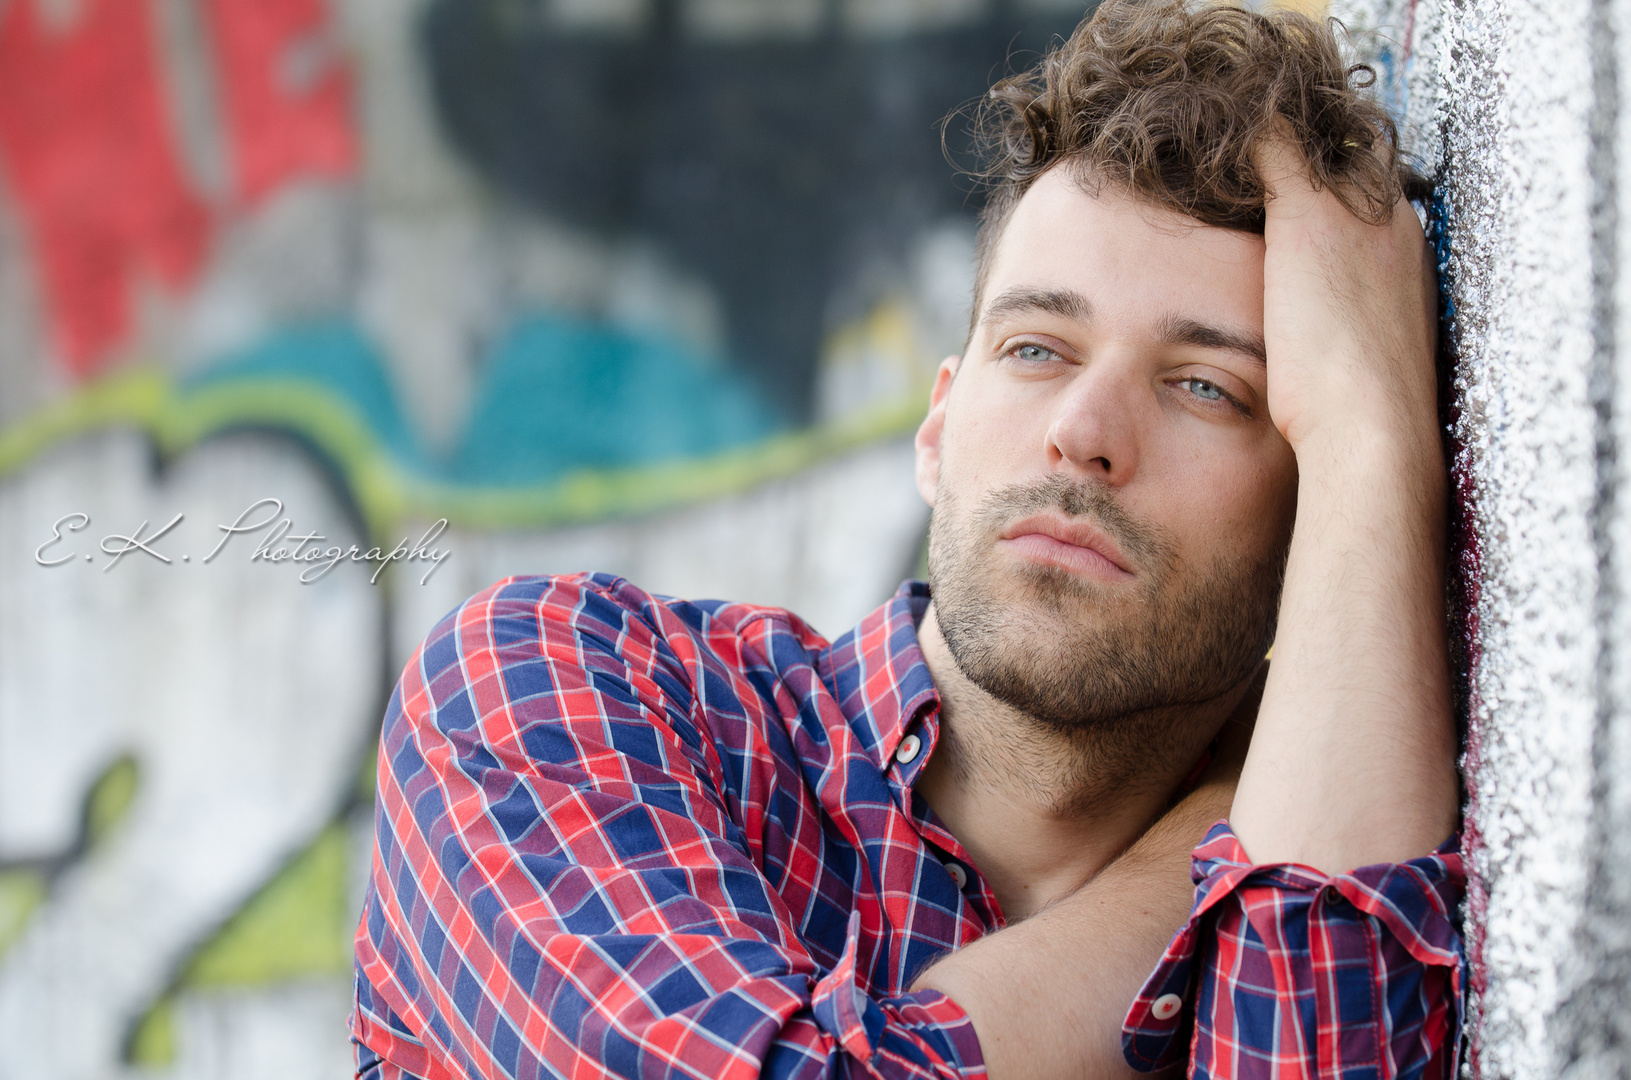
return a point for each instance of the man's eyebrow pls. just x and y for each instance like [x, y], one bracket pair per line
[1066, 303]
[1181, 331]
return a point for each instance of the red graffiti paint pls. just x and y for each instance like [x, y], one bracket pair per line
[286, 92]
[90, 161]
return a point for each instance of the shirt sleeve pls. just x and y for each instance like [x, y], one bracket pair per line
[561, 884]
[1283, 971]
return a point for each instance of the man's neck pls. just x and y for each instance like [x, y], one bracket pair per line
[1041, 810]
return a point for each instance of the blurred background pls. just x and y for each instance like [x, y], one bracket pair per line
[648, 286]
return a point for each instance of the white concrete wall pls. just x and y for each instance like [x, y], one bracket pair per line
[247, 700]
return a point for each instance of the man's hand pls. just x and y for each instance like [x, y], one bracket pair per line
[1349, 317]
[1353, 759]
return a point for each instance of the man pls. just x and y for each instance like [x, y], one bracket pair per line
[622, 835]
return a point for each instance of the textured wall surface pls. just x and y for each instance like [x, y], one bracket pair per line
[1516, 109]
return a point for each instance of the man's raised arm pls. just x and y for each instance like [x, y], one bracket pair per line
[1353, 762]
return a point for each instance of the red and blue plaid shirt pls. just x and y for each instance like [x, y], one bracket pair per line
[624, 835]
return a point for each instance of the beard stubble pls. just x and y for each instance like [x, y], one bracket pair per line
[1084, 657]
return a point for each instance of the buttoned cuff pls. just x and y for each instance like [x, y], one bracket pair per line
[1305, 922]
[923, 1033]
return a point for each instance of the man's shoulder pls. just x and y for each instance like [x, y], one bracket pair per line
[542, 658]
[515, 617]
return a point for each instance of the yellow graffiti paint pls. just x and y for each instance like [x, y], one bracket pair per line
[299, 924]
[152, 1042]
[110, 798]
[178, 418]
[21, 893]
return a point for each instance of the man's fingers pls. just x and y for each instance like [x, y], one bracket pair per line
[1285, 174]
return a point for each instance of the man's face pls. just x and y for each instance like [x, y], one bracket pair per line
[1112, 502]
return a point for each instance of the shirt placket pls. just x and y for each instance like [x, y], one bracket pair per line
[981, 914]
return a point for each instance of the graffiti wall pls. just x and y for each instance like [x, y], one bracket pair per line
[317, 316]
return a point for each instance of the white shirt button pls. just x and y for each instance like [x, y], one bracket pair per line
[958, 874]
[1166, 1006]
[908, 748]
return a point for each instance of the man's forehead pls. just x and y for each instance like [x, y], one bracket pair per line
[1071, 236]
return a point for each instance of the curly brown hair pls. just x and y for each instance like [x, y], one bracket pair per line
[1168, 98]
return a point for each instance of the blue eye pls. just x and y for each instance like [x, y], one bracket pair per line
[1032, 354]
[1203, 389]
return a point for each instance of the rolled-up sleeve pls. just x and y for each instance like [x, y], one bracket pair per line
[1283, 971]
[562, 884]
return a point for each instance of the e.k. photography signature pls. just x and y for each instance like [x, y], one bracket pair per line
[280, 545]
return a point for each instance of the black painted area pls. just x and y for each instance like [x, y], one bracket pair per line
[775, 169]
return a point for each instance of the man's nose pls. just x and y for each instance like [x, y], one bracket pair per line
[1094, 431]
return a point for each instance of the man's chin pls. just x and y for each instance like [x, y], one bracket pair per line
[1055, 689]
[1071, 668]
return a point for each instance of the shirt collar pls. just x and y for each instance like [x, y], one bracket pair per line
[879, 676]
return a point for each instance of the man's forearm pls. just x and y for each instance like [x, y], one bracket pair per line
[1047, 996]
[1353, 762]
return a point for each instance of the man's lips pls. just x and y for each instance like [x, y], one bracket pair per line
[1072, 545]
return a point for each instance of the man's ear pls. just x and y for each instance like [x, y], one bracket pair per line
[930, 432]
